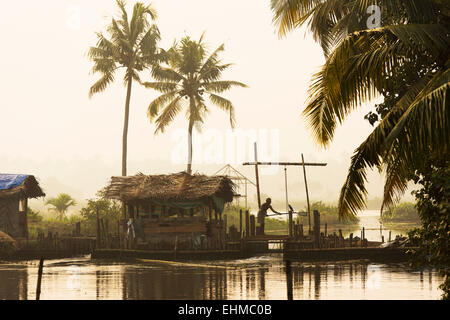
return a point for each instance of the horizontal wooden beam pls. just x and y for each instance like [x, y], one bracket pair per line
[300, 164]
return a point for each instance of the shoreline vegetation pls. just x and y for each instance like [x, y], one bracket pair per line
[403, 216]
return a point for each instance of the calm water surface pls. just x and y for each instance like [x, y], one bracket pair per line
[255, 278]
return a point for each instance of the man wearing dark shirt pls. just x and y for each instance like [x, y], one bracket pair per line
[262, 213]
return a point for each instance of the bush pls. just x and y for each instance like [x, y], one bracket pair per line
[403, 212]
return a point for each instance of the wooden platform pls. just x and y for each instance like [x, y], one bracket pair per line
[118, 254]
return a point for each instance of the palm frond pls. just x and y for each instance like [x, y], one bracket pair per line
[158, 103]
[168, 114]
[221, 86]
[101, 84]
[161, 86]
[225, 105]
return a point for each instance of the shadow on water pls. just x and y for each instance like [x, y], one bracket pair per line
[257, 278]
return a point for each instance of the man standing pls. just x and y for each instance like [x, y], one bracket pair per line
[262, 213]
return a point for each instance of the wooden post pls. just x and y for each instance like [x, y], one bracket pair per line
[289, 281]
[301, 231]
[307, 193]
[225, 218]
[341, 238]
[240, 222]
[252, 226]
[382, 239]
[351, 239]
[389, 235]
[38, 287]
[210, 213]
[247, 224]
[25, 210]
[290, 224]
[257, 176]
[317, 228]
[326, 227]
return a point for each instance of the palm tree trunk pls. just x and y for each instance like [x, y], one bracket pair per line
[189, 164]
[125, 128]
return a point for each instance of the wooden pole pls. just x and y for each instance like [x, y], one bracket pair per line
[225, 218]
[246, 205]
[252, 226]
[389, 235]
[289, 281]
[307, 193]
[240, 222]
[317, 228]
[326, 227]
[290, 224]
[25, 210]
[247, 224]
[286, 188]
[38, 287]
[257, 176]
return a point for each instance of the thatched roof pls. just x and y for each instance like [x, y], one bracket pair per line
[23, 185]
[7, 244]
[175, 187]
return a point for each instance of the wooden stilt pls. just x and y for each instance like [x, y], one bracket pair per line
[38, 286]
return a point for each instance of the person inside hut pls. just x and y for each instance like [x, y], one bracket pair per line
[262, 213]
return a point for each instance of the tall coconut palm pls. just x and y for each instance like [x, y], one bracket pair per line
[360, 64]
[129, 44]
[61, 204]
[190, 77]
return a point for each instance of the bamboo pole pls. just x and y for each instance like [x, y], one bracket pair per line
[257, 176]
[38, 286]
[307, 193]
[240, 222]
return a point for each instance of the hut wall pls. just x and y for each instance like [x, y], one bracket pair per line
[11, 221]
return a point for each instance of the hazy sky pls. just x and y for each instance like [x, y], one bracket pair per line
[50, 128]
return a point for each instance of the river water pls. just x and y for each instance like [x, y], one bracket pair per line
[255, 278]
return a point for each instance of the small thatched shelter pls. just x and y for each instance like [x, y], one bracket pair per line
[7, 245]
[173, 205]
[15, 190]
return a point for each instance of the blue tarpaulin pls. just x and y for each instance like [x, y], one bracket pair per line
[9, 181]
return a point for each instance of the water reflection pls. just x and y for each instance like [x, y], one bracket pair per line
[257, 278]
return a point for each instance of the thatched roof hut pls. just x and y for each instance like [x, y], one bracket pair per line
[162, 208]
[15, 190]
[21, 185]
[170, 187]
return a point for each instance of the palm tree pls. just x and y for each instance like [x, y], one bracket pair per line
[361, 63]
[132, 45]
[61, 204]
[190, 76]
